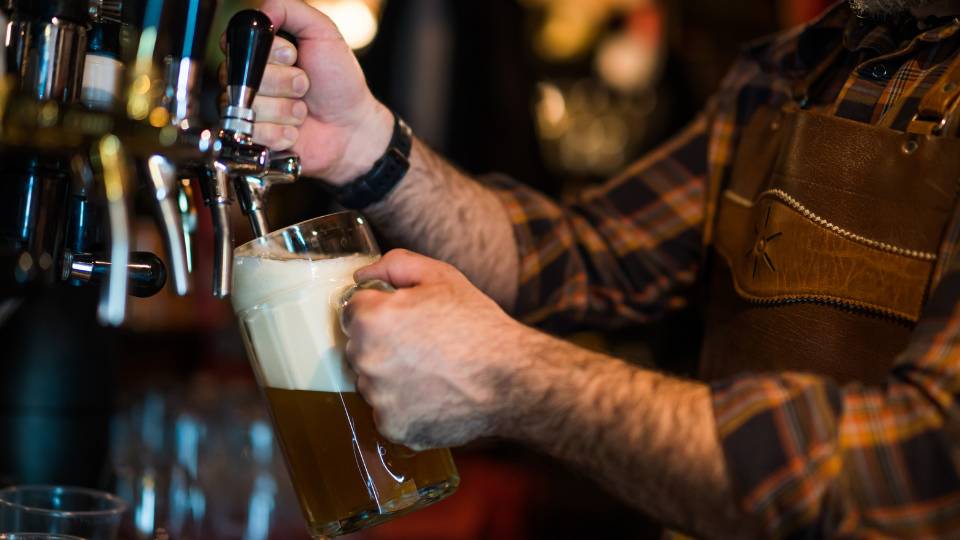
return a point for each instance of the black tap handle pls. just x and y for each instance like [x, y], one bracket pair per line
[249, 38]
[147, 274]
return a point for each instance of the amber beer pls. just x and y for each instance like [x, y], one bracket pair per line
[318, 430]
[287, 296]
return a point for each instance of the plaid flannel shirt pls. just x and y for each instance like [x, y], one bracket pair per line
[806, 456]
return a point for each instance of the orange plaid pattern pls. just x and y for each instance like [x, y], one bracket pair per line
[810, 458]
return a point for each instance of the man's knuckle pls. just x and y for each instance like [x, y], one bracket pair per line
[268, 134]
[379, 418]
[394, 255]
[356, 327]
[261, 105]
[392, 429]
[362, 363]
[376, 320]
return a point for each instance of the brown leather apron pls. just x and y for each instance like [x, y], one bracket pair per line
[825, 241]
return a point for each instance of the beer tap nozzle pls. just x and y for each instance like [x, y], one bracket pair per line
[252, 190]
[235, 156]
[166, 189]
[216, 195]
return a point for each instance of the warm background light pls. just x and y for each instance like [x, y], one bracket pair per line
[356, 19]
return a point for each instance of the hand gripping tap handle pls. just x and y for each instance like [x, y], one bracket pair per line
[249, 38]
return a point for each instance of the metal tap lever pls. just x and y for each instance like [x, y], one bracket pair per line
[252, 191]
[231, 159]
[145, 273]
[165, 183]
[215, 186]
[249, 38]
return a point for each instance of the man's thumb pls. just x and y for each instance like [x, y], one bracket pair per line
[402, 269]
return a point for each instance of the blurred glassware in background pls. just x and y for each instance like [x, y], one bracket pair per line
[88, 513]
[37, 536]
[594, 124]
[569, 28]
[587, 128]
[201, 463]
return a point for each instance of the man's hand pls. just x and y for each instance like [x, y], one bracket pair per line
[431, 358]
[315, 101]
[441, 365]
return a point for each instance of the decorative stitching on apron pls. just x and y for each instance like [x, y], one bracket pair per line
[812, 216]
[829, 301]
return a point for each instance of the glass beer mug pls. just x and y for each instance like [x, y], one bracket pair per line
[288, 290]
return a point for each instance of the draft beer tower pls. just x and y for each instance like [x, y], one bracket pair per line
[98, 110]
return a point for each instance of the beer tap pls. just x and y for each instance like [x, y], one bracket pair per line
[191, 21]
[166, 188]
[252, 191]
[73, 152]
[46, 47]
[236, 158]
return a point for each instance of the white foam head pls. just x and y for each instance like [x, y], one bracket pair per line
[288, 312]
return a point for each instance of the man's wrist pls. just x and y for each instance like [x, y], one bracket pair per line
[538, 368]
[365, 146]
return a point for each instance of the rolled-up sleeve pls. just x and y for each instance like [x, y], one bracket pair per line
[813, 459]
[624, 253]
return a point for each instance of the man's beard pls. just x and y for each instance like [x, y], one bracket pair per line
[886, 7]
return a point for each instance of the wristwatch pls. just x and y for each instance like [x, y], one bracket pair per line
[386, 173]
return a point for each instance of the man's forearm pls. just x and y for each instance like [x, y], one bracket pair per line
[439, 211]
[648, 437]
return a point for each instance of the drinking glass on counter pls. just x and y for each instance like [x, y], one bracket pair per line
[87, 513]
[288, 290]
[197, 461]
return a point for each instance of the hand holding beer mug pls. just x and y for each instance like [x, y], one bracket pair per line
[289, 289]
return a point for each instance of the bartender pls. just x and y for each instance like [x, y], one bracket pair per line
[815, 197]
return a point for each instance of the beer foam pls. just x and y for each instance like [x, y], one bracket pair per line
[289, 314]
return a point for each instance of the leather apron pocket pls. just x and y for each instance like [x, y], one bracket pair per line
[850, 215]
[827, 237]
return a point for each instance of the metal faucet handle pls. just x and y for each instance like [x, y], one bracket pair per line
[145, 272]
[249, 38]
[284, 168]
[216, 195]
[163, 175]
[252, 190]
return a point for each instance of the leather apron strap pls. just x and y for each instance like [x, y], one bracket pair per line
[800, 99]
[936, 106]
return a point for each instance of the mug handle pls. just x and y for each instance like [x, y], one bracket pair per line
[369, 285]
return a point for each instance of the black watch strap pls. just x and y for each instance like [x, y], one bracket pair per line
[386, 173]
